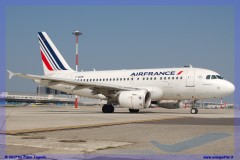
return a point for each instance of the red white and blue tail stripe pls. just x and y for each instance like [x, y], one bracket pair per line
[51, 57]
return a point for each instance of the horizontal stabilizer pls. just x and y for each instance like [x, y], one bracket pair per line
[10, 74]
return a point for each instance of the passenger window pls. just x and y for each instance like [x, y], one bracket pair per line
[160, 78]
[132, 79]
[168, 77]
[120, 79]
[164, 78]
[117, 79]
[113, 79]
[137, 78]
[146, 78]
[143, 78]
[151, 78]
[208, 77]
[128, 79]
[172, 77]
[154, 78]
[180, 77]
[176, 78]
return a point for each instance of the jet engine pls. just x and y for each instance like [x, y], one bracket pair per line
[156, 92]
[135, 99]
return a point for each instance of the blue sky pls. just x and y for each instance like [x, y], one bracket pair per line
[122, 37]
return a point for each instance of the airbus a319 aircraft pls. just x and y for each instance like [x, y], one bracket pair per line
[133, 89]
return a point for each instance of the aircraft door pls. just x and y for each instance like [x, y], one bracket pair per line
[190, 79]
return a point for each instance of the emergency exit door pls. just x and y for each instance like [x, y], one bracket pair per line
[190, 79]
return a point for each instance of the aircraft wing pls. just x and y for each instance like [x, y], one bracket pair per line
[97, 88]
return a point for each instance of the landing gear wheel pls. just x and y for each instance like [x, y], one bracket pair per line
[134, 110]
[194, 111]
[107, 108]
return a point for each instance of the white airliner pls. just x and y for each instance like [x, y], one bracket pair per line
[134, 89]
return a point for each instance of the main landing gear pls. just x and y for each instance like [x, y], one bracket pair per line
[108, 108]
[194, 110]
[134, 110]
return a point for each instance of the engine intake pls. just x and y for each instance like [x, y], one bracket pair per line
[135, 99]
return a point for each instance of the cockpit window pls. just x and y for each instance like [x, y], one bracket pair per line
[214, 77]
[219, 77]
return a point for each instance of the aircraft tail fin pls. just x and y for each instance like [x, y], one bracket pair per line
[51, 58]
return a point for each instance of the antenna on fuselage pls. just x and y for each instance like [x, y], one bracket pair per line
[189, 66]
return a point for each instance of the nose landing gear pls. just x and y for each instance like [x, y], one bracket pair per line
[194, 110]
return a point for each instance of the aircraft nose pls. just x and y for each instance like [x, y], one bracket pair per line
[230, 88]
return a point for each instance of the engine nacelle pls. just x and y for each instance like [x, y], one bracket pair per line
[156, 92]
[135, 99]
[169, 104]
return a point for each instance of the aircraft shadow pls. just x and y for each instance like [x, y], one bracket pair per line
[198, 121]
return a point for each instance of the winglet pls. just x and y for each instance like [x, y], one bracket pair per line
[10, 74]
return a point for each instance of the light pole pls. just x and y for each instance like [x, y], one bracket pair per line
[77, 34]
[221, 103]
